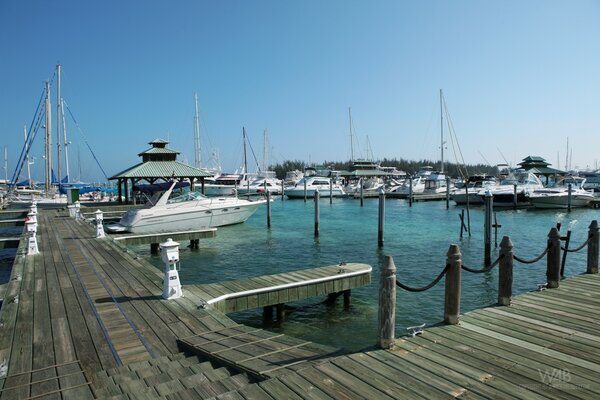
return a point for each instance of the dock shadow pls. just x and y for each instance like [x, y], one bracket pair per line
[124, 299]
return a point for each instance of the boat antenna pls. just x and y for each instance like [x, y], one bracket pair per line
[504, 158]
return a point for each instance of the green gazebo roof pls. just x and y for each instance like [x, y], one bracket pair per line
[161, 169]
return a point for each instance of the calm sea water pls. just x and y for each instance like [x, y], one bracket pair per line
[417, 237]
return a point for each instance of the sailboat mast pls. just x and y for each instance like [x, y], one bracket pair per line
[27, 156]
[442, 130]
[66, 143]
[351, 135]
[6, 164]
[245, 159]
[48, 132]
[197, 154]
[58, 119]
[265, 161]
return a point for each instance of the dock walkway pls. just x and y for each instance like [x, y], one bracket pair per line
[84, 319]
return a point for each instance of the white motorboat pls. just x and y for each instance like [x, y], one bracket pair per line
[436, 182]
[227, 185]
[472, 186]
[265, 181]
[189, 211]
[514, 189]
[325, 186]
[557, 196]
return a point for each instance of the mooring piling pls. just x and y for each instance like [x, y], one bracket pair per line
[505, 273]
[387, 303]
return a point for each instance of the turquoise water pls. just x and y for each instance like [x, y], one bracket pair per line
[417, 237]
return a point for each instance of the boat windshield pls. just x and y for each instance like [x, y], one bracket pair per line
[189, 196]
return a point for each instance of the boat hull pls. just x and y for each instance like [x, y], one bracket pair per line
[144, 221]
[560, 201]
[298, 193]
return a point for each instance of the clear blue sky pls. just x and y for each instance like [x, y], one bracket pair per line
[519, 77]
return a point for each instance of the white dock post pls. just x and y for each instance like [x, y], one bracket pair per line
[170, 255]
[71, 208]
[32, 247]
[99, 226]
[32, 217]
[77, 210]
[33, 207]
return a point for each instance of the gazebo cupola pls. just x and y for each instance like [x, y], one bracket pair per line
[158, 152]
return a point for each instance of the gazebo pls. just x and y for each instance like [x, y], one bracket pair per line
[539, 166]
[158, 163]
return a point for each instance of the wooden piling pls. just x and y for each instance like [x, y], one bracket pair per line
[593, 247]
[360, 187]
[347, 298]
[268, 208]
[452, 292]
[505, 274]
[553, 259]
[381, 224]
[305, 190]
[487, 229]
[154, 248]
[331, 191]
[514, 195]
[316, 197]
[282, 189]
[569, 197]
[410, 191]
[387, 303]
[268, 314]
[280, 310]
[447, 192]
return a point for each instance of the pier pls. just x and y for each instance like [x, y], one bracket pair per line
[85, 319]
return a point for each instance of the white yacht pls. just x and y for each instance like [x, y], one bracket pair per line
[228, 185]
[557, 196]
[514, 189]
[473, 185]
[189, 211]
[325, 186]
[264, 181]
[436, 182]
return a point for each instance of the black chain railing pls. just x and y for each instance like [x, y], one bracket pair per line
[579, 248]
[523, 261]
[484, 269]
[424, 288]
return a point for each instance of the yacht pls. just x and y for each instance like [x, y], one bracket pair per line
[473, 185]
[514, 189]
[327, 187]
[557, 196]
[436, 182]
[264, 181]
[188, 211]
[228, 185]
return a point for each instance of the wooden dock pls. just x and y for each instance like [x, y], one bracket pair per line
[84, 319]
[270, 290]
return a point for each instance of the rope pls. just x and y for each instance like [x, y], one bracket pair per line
[485, 269]
[424, 288]
[534, 260]
[579, 248]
